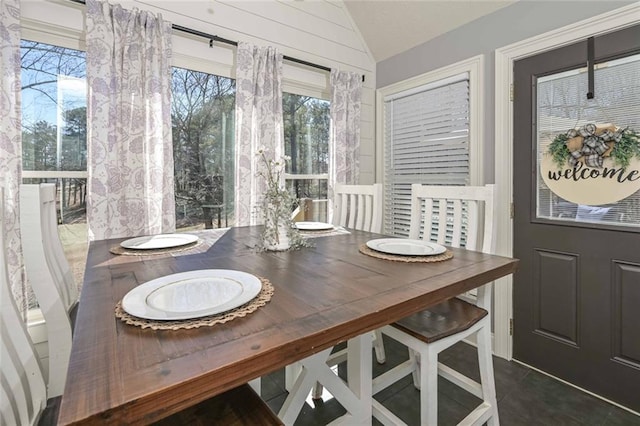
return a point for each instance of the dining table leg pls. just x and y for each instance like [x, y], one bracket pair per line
[256, 385]
[359, 377]
[291, 371]
[354, 396]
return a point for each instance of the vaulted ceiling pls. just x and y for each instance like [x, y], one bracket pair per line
[393, 26]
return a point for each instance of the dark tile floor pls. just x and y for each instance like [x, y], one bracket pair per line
[525, 397]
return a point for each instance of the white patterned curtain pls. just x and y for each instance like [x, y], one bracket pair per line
[344, 140]
[130, 153]
[258, 124]
[11, 144]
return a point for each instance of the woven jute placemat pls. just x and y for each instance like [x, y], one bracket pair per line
[133, 252]
[241, 311]
[364, 249]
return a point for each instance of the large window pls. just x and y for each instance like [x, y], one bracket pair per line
[306, 141]
[203, 148]
[430, 133]
[427, 142]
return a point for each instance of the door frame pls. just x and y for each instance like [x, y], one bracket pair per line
[504, 58]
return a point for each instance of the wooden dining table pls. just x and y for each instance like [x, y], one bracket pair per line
[323, 295]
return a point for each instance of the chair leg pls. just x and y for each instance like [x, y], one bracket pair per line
[316, 393]
[429, 387]
[291, 373]
[487, 379]
[414, 357]
[378, 345]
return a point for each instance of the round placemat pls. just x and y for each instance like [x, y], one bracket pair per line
[260, 300]
[364, 249]
[133, 252]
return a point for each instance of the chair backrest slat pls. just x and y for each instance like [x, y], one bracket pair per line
[353, 205]
[368, 210]
[457, 223]
[23, 394]
[358, 207]
[473, 218]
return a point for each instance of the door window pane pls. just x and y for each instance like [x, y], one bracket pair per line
[202, 115]
[562, 105]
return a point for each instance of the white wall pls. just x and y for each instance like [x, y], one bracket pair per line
[318, 31]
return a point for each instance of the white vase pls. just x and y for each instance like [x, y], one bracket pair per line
[278, 240]
[275, 236]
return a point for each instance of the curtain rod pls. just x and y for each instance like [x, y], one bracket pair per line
[213, 38]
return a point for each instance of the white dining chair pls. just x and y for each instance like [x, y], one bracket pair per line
[49, 275]
[357, 207]
[450, 215]
[23, 395]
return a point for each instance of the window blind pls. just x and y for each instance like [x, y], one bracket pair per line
[426, 140]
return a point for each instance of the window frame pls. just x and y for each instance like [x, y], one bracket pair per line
[61, 37]
[303, 81]
[474, 67]
[306, 176]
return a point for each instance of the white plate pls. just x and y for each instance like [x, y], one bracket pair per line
[191, 294]
[313, 226]
[406, 247]
[160, 241]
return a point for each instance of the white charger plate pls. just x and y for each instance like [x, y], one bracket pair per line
[192, 294]
[406, 247]
[160, 241]
[313, 226]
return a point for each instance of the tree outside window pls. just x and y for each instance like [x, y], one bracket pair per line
[203, 148]
[54, 122]
[306, 135]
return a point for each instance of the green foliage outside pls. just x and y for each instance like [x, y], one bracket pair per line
[202, 117]
[306, 141]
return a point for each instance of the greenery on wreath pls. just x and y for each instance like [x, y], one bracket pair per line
[277, 205]
[558, 150]
[621, 145]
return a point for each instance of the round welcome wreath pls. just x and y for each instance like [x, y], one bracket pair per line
[591, 144]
